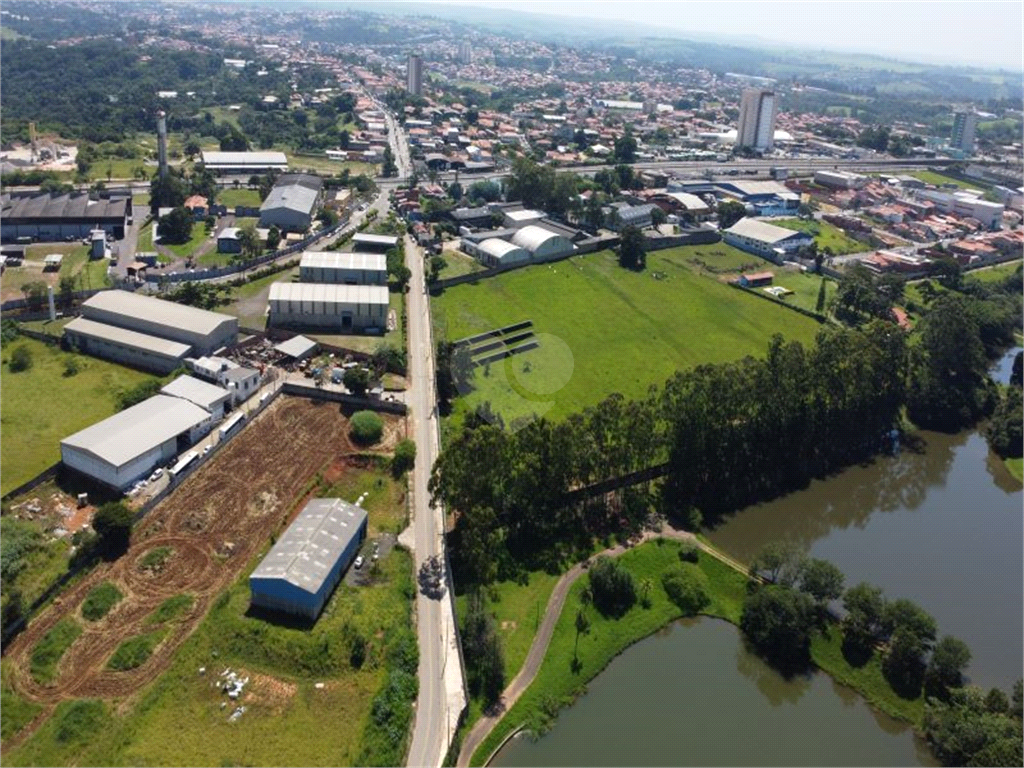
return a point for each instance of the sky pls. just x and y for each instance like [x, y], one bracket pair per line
[982, 33]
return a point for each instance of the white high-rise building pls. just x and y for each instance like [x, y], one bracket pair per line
[414, 75]
[465, 52]
[964, 125]
[756, 127]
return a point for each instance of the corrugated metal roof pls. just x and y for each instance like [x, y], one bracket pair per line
[244, 158]
[333, 260]
[136, 430]
[763, 231]
[123, 336]
[53, 206]
[329, 293]
[499, 248]
[294, 197]
[297, 346]
[196, 391]
[533, 237]
[157, 311]
[363, 237]
[309, 549]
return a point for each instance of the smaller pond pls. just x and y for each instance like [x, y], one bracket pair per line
[694, 695]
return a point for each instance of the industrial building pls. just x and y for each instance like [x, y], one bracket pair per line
[840, 179]
[207, 396]
[521, 218]
[229, 240]
[764, 198]
[766, 240]
[203, 331]
[245, 162]
[756, 128]
[297, 348]
[343, 268]
[363, 241]
[967, 205]
[542, 244]
[340, 308]
[129, 445]
[414, 75]
[139, 350]
[301, 570]
[292, 203]
[494, 252]
[52, 216]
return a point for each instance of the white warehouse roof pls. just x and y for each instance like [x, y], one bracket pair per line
[501, 249]
[329, 293]
[367, 239]
[123, 336]
[294, 197]
[136, 430]
[157, 311]
[245, 158]
[306, 552]
[525, 215]
[762, 230]
[332, 260]
[532, 237]
[297, 347]
[196, 391]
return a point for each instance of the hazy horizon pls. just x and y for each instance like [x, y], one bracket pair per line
[988, 33]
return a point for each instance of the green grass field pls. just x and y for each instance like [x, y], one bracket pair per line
[1016, 467]
[45, 562]
[459, 264]
[51, 647]
[17, 711]
[31, 427]
[185, 249]
[76, 264]
[716, 259]
[321, 164]
[557, 684]
[297, 674]
[100, 600]
[385, 497]
[938, 179]
[994, 274]
[603, 329]
[805, 289]
[241, 196]
[825, 235]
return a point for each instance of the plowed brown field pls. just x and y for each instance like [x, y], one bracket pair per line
[215, 523]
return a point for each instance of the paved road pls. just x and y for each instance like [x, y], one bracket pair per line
[429, 731]
[535, 657]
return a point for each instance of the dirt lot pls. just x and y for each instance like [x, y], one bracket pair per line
[214, 524]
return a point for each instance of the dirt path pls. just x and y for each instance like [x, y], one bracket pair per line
[212, 526]
[482, 728]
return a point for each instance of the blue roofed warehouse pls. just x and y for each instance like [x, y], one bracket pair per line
[302, 569]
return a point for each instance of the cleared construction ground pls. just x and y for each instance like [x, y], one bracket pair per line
[202, 538]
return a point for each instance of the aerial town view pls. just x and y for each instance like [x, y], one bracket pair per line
[511, 383]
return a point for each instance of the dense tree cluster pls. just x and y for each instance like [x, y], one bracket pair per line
[973, 728]
[612, 587]
[485, 665]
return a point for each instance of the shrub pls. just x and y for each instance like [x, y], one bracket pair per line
[687, 587]
[79, 720]
[613, 587]
[46, 654]
[134, 652]
[365, 427]
[689, 552]
[100, 600]
[404, 458]
[21, 359]
[71, 366]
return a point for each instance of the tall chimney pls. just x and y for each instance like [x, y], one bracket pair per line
[161, 142]
[53, 309]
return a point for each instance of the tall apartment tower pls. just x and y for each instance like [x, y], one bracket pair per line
[756, 128]
[964, 124]
[414, 76]
[161, 142]
[465, 52]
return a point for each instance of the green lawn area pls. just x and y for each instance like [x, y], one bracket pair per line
[825, 235]
[297, 674]
[140, 198]
[459, 264]
[716, 258]
[100, 600]
[805, 289]
[17, 711]
[322, 164]
[31, 426]
[938, 179]
[145, 241]
[51, 647]
[76, 264]
[385, 497]
[241, 196]
[557, 685]
[185, 249]
[45, 561]
[1016, 467]
[994, 274]
[603, 329]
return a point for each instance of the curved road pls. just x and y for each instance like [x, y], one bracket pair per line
[482, 728]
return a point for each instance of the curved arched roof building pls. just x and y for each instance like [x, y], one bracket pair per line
[542, 244]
